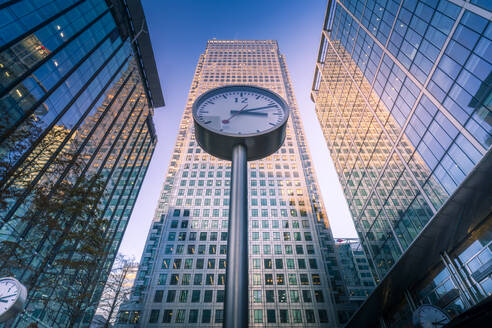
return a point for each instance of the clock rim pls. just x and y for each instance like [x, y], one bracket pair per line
[198, 101]
[18, 305]
[416, 315]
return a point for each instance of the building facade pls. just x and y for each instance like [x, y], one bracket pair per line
[294, 276]
[403, 95]
[355, 269]
[78, 86]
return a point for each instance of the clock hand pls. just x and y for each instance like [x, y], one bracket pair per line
[4, 301]
[248, 113]
[227, 121]
[1, 298]
[258, 108]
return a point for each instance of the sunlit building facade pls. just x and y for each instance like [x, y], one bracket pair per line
[403, 95]
[294, 275]
[78, 86]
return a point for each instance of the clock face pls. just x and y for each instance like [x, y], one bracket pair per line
[430, 316]
[9, 292]
[238, 112]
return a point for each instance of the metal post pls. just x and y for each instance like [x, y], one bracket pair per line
[236, 312]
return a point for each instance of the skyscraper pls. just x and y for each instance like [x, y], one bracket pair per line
[78, 86]
[294, 275]
[403, 95]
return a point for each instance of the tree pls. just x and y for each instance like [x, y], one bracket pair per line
[117, 289]
[57, 241]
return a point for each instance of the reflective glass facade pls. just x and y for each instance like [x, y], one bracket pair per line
[73, 105]
[294, 275]
[355, 269]
[403, 95]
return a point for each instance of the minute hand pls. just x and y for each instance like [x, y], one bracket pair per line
[253, 109]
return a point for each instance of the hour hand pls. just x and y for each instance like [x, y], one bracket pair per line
[248, 113]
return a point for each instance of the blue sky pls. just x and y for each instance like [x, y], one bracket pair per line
[179, 30]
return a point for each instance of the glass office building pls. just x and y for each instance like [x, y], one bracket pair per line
[78, 86]
[294, 276]
[355, 269]
[403, 95]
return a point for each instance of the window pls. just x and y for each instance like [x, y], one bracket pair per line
[220, 296]
[270, 296]
[197, 280]
[222, 264]
[209, 280]
[279, 264]
[174, 279]
[211, 264]
[207, 314]
[195, 296]
[186, 279]
[219, 316]
[313, 264]
[180, 316]
[183, 296]
[256, 264]
[304, 279]
[323, 316]
[171, 295]
[257, 296]
[199, 264]
[162, 279]
[292, 279]
[301, 263]
[154, 316]
[284, 316]
[318, 294]
[158, 296]
[177, 264]
[267, 263]
[168, 316]
[282, 296]
[258, 316]
[207, 298]
[316, 279]
[296, 316]
[271, 316]
[193, 318]
[256, 279]
[310, 316]
[290, 264]
[306, 296]
[294, 296]
[268, 279]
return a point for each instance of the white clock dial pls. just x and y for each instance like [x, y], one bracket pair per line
[240, 113]
[429, 316]
[12, 298]
[9, 291]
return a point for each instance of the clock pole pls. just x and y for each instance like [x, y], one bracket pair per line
[241, 142]
[236, 312]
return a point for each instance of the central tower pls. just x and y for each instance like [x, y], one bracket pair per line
[294, 276]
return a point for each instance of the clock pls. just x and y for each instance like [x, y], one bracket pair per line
[12, 298]
[429, 316]
[240, 114]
